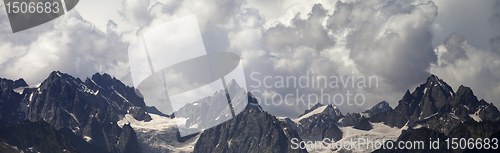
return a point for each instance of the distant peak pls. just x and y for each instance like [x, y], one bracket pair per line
[251, 98]
[434, 81]
[233, 81]
[407, 92]
[408, 96]
[378, 108]
[383, 104]
[20, 83]
[56, 74]
[463, 90]
[233, 84]
[99, 76]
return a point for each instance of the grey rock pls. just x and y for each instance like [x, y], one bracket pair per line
[332, 132]
[253, 130]
[378, 108]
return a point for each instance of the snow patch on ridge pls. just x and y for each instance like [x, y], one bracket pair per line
[380, 132]
[159, 134]
[87, 138]
[157, 122]
[316, 111]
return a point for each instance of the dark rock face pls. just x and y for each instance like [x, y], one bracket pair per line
[19, 83]
[378, 108]
[12, 110]
[315, 120]
[350, 119]
[466, 130]
[423, 102]
[90, 109]
[465, 103]
[39, 136]
[461, 108]
[139, 114]
[434, 105]
[363, 124]
[357, 120]
[128, 140]
[483, 150]
[489, 112]
[80, 144]
[253, 130]
[441, 122]
[473, 129]
[332, 132]
[421, 135]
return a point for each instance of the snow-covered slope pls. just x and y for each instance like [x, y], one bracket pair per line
[158, 135]
[380, 132]
[314, 121]
[314, 112]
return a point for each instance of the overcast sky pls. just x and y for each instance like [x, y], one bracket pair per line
[400, 42]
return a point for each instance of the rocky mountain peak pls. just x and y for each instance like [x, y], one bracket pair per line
[312, 108]
[436, 86]
[253, 103]
[334, 109]
[429, 97]
[434, 105]
[12, 111]
[19, 83]
[233, 85]
[408, 97]
[6, 83]
[378, 108]
[465, 96]
[90, 109]
[315, 120]
[253, 130]
[104, 80]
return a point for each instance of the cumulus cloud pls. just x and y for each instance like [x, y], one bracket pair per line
[394, 42]
[69, 44]
[390, 40]
[454, 50]
[309, 32]
[470, 19]
[480, 70]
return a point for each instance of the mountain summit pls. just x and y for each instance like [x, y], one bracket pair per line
[434, 105]
[87, 109]
[253, 130]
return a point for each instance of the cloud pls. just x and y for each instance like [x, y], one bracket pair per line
[495, 44]
[454, 50]
[309, 32]
[480, 71]
[469, 18]
[399, 42]
[393, 42]
[69, 44]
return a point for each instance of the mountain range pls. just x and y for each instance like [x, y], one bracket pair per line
[101, 114]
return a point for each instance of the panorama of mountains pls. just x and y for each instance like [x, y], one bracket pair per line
[103, 115]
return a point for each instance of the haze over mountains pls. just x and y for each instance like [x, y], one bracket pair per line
[101, 114]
